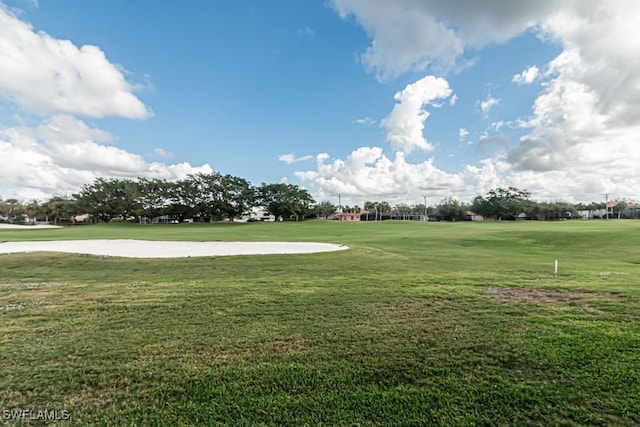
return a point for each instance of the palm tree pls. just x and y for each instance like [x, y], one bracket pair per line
[32, 209]
[12, 207]
[620, 207]
[55, 207]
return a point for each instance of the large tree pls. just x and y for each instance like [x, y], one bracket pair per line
[182, 199]
[110, 198]
[452, 209]
[284, 200]
[237, 196]
[154, 197]
[503, 203]
[204, 194]
[218, 196]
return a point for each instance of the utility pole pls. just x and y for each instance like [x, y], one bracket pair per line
[606, 206]
[425, 208]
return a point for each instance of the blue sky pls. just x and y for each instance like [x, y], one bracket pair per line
[370, 99]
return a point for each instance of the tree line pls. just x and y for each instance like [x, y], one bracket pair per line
[512, 203]
[212, 197]
[201, 197]
[499, 204]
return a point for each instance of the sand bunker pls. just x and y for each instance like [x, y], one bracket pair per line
[164, 249]
[27, 227]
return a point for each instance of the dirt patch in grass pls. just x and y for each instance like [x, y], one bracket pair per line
[545, 296]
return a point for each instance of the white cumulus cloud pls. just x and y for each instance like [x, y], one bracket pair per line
[58, 81]
[585, 120]
[291, 158]
[367, 121]
[488, 104]
[368, 172]
[63, 153]
[528, 76]
[44, 75]
[580, 139]
[405, 123]
[161, 152]
[411, 35]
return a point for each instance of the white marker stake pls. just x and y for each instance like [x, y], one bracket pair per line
[555, 270]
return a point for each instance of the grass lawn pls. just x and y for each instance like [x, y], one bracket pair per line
[416, 324]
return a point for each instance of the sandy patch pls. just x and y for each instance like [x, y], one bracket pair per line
[27, 227]
[164, 249]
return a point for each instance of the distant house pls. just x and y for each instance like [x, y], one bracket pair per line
[258, 215]
[592, 214]
[163, 219]
[631, 211]
[84, 218]
[348, 216]
[401, 216]
[472, 216]
[262, 216]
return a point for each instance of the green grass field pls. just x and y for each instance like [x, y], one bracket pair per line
[416, 324]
